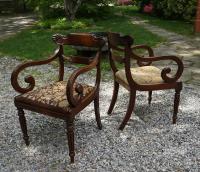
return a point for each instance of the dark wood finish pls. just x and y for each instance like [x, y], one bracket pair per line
[197, 20]
[23, 125]
[96, 100]
[70, 136]
[97, 113]
[124, 44]
[77, 103]
[114, 97]
[150, 97]
[176, 102]
[129, 111]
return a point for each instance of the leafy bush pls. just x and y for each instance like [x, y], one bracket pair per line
[51, 9]
[179, 9]
[55, 8]
[94, 8]
[47, 8]
[82, 23]
[78, 25]
[44, 24]
[63, 24]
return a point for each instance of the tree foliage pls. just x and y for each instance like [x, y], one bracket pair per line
[179, 9]
[68, 8]
[172, 9]
[94, 8]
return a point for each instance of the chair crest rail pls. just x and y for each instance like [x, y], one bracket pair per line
[81, 39]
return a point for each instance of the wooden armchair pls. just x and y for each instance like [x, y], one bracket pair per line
[61, 99]
[142, 78]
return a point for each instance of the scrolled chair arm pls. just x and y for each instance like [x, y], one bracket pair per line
[145, 47]
[74, 100]
[167, 70]
[30, 79]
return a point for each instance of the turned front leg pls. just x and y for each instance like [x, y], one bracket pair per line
[150, 97]
[70, 136]
[176, 104]
[176, 101]
[23, 125]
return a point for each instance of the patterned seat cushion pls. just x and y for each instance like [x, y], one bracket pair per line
[53, 94]
[146, 75]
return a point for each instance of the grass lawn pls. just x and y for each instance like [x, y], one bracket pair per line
[36, 43]
[177, 26]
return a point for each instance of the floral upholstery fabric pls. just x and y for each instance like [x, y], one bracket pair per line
[146, 75]
[53, 94]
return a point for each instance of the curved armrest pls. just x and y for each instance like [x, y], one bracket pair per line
[73, 101]
[166, 70]
[145, 47]
[30, 79]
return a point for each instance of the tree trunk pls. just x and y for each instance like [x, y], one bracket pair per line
[71, 7]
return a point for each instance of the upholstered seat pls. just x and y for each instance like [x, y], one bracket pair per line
[52, 95]
[146, 75]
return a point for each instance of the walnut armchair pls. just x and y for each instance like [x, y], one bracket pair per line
[142, 78]
[62, 99]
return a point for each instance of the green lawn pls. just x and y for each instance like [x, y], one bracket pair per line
[36, 43]
[177, 26]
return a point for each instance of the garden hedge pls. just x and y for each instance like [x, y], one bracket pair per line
[176, 9]
[172, 9]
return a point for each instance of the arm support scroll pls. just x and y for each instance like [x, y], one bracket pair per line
[165, 71]
[78, 88]
[30, 79]
[145, 47]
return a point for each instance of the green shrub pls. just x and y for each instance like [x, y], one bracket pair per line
[51, 9]
[47, 8]
[88, 10]
[44, 24]
[63, 24]
[78, 25]
[95, 8]
[175, 9]
[55, 8]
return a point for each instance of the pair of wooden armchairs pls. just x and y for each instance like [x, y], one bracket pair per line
[66, 99]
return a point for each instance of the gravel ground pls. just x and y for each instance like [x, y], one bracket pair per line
[148, 143]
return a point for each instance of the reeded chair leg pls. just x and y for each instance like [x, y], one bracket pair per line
[97, 113]
[23, 125]
[150, 97]
[176, 104]
[114, 97]
[129, 110]
[70, 136]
